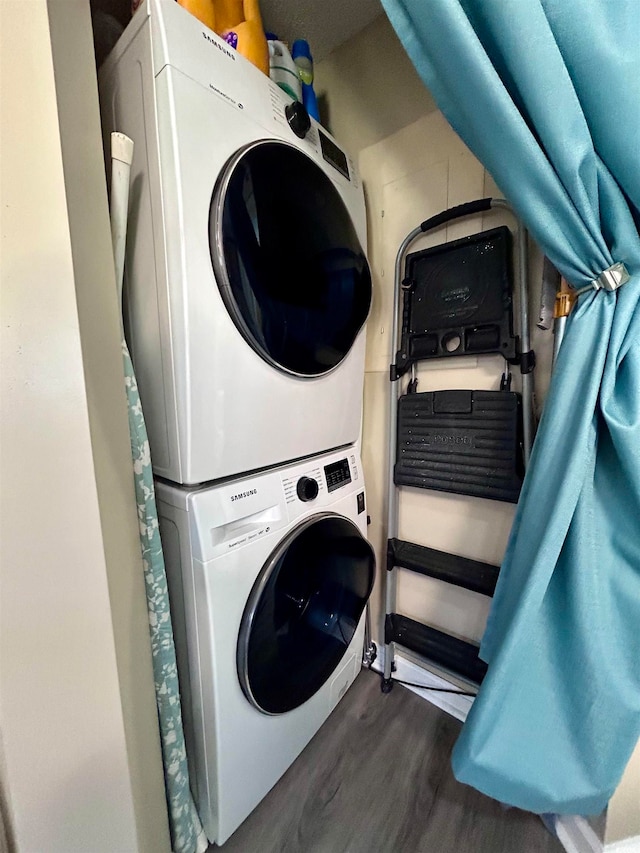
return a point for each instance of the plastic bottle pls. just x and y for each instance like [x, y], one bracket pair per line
[301, 54]
[282, 68]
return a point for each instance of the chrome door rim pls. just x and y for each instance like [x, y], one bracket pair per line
[246, 623]
[218, 200]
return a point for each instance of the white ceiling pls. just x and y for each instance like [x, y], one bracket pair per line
[325, 24]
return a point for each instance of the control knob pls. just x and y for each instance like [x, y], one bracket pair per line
[298, 118]
[307, 488]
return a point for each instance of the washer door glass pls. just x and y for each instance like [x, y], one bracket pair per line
[287, 259]
[303, 612]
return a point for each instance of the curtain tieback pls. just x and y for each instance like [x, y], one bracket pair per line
[610, 279]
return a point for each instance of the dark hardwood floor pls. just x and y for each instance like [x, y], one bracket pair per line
[377, 779]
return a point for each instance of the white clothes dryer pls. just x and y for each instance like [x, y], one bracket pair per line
[268, 581]
[247, 286]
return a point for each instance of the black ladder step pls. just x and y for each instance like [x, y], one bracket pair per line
[461, 571]
[464, 442]
[444, 650]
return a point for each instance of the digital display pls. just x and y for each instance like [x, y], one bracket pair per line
[337, 474]
[332, 154]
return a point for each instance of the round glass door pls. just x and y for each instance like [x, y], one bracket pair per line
[288, 262]
[303, 612]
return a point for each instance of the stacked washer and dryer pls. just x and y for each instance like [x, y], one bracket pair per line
[246, 294]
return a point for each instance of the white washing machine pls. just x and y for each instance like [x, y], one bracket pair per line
[247, 286]
[268, 580]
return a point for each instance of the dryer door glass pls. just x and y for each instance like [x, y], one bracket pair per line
[287, 259]
[303, 612]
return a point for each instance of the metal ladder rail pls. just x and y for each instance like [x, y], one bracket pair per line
[462, 210]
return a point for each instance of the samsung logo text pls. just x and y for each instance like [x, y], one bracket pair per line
[227, 52]
[246, 494]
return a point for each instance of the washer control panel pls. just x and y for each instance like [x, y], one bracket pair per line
[337, 474]
[316, 485]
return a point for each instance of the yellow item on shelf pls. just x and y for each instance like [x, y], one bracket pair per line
[240, 17]
[203, 10]
[229, 13]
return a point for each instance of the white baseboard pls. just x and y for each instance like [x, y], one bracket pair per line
[406, 670]
[627, 845]
[576, 834]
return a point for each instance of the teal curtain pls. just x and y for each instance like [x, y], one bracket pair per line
[546, 93]
[187, 835]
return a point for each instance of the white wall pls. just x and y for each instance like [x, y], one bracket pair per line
[99, 324]
[73, 768]
[371, 86]
[623, 815]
